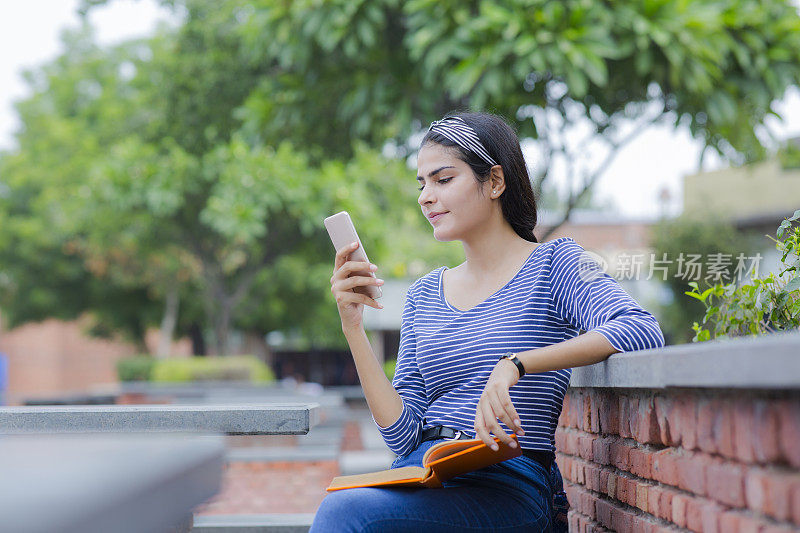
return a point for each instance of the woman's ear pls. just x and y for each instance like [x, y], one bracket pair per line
[497, 180]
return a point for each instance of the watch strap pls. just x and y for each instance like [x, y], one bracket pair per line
[511, 356]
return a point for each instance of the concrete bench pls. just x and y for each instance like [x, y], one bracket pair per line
[258, 419]
[101, 483]
[253, 523]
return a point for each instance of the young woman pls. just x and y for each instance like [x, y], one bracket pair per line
[486, 347]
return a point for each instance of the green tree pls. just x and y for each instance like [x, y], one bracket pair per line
[700, 237]
[393, 66]
[214, 150]
[223, 224]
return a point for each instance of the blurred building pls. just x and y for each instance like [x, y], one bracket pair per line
[748, 195]
[754, 198]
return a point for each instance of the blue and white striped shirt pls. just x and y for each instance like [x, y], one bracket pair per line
[446, 355]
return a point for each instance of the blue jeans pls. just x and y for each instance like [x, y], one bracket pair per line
[515, 495]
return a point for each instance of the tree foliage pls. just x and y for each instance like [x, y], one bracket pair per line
[199, 163]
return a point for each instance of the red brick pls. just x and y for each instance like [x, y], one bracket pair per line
[608, 414]
[679, 502]
[622, 489]
[633, 485]
[687, 416]
[682, 420]
[572, 520]
[594, 410]
[573, 405]
[771, 528]
[585, 446]
[665, 502]
[749, 524]
[586, 412]
[691, 472]
[725, 482]
[621, 520]
[765, 431]
[633, 416]
[665, 467]
[641, 525]
[663, 405]
[561, 439]
[624, 417]
[779, 495]
[620, 455]
[707, 410]
[658, 528]
[794, 501]
[694, 515]
[739, 522]
[592, 475]
[710, 518]
[601, 449]
[724, 435]
[743, 427]
[611, 485]
[644, 426]
[789, 430]
[563, 417]
[641, 495]
[603, 481]
[571, 446]
[654, 503]
[588, 505]
[755, 487]
[641, 462]
[604, 510]
[728, 522]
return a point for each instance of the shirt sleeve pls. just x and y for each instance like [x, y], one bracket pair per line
[404, 434]
[588, 298]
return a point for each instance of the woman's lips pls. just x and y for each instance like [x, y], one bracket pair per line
[437, 217]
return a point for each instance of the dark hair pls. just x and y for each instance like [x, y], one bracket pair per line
[500, 140]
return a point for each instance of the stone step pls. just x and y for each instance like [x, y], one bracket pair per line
[365, 461]
[282, 453]
[253, 523]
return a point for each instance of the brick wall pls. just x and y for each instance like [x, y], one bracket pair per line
[703, 460]
[53, 357]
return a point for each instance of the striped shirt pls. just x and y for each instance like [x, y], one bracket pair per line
[446, 354]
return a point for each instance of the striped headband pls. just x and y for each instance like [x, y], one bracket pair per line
[458, 131]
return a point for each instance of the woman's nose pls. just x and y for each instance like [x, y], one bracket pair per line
[424, 196]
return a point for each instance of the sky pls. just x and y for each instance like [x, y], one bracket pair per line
[658, 159]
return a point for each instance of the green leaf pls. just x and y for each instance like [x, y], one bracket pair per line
[793, 285]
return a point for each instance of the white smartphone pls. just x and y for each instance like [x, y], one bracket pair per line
[342, 232]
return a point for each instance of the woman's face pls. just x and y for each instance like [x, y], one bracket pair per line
[449, 186]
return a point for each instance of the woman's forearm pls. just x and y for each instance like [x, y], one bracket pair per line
[587, 349]
[383, 401]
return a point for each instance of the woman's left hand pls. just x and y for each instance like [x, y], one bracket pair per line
[494, 403]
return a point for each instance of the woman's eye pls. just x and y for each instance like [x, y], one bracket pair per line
[444, 180]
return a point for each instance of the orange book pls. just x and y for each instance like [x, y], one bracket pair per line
[441, 462]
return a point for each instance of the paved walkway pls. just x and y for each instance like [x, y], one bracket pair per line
[293, 471]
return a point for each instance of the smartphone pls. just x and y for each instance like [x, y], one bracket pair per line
[342, 233]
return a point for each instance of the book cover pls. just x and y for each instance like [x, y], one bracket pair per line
[441, 462]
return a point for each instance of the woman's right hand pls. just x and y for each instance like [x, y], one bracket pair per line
[350, 303]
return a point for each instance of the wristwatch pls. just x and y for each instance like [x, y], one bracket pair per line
[511, 356]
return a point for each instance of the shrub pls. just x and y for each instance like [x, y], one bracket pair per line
[389, 367]
[692, 234]
[765, 305]
[236, 368]
[137, 368]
